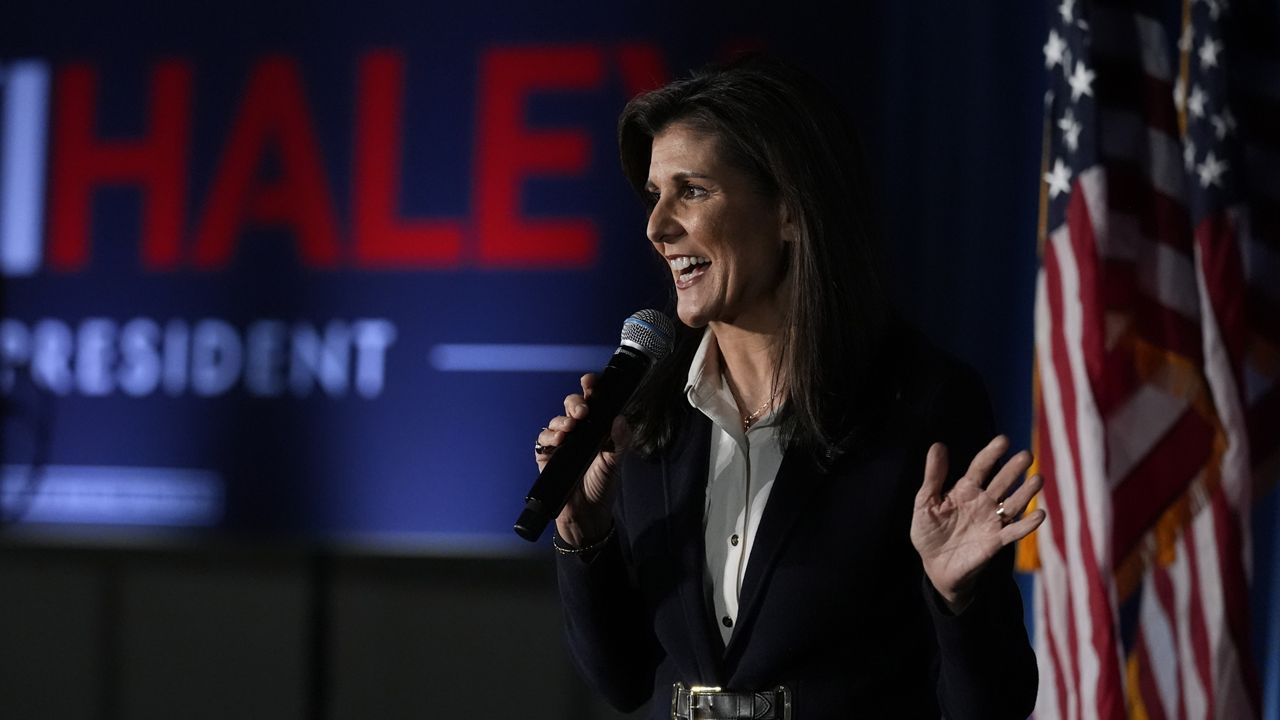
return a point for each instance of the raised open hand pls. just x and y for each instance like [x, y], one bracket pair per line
[957, 533]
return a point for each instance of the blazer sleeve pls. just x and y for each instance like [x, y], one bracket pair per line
[609, 632]
[985, 665]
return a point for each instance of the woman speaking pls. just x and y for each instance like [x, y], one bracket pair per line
[804, 514]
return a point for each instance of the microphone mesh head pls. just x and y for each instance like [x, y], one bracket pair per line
[650, 332]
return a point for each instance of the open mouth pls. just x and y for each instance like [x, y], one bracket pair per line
[688, 268]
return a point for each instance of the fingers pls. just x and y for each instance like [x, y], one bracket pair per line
[1015, 531]
[551, 437]
[1009, 474]
[575, 406]
[1015, 505]
[550, 434]
[575, 409]
[935, 473]
[1017, 501]
[985, 460]
[546, 444]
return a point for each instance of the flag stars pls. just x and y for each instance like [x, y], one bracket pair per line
[1053, 50]
[1223, 124]
[1070, 128]
[1209, 50]
[1196, 102]
[1067, 10]
[1211, 170]
[1059, 179]
[1081, 81]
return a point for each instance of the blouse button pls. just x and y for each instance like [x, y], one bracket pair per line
[733, 541]
[726, 621]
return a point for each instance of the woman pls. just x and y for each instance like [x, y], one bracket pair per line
[761, 524]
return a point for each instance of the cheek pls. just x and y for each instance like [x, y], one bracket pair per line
[766, 253]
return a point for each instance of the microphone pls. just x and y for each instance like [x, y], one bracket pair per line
[646, 339]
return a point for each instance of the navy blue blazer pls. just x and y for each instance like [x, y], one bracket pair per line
[834, 603]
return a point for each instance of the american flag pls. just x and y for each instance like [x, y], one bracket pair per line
[1157, 358]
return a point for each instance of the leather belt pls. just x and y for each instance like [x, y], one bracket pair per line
[712, 703]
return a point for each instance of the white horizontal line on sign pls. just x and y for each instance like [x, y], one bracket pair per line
[497, 357]
[113, 495]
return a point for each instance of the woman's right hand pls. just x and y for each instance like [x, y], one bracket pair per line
[587, 515]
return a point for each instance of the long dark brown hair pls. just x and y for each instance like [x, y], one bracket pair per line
[788, 134]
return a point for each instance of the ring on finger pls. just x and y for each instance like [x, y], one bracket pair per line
[541, 449]
[1005, 516]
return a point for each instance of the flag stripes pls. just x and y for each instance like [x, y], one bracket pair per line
[1157, 353]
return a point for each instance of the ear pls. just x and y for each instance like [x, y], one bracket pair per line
[790, 229]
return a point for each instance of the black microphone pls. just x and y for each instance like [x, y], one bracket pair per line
[646, 339]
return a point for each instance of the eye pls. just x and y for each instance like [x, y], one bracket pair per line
[692, 192]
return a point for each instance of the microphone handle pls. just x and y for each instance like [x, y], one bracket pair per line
[580, 446]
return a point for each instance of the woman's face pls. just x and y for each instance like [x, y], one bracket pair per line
[722, 239]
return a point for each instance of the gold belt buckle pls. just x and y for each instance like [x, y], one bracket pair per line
[693, 698]
[782, 693]
[693, 693]
[704, 690]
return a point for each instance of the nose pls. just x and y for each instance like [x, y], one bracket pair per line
[663, 226]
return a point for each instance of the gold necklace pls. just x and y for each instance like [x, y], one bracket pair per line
[750, 420]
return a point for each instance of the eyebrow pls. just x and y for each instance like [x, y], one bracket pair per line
[681, 176]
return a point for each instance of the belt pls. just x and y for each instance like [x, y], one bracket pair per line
[712, 703]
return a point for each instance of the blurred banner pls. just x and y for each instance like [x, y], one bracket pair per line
[309, 274]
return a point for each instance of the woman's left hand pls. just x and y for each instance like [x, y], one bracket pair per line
[957, 533]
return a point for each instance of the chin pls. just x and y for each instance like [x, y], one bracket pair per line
[692, 317]
[694, 322]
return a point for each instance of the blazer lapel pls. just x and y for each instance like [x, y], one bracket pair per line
[797, 479]
[684, 473]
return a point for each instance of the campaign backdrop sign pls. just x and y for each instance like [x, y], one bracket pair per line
[325, 269]
[321, 271]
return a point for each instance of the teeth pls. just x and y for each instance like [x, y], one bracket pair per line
[687, 261]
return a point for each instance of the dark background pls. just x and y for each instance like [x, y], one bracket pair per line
[364, 565]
